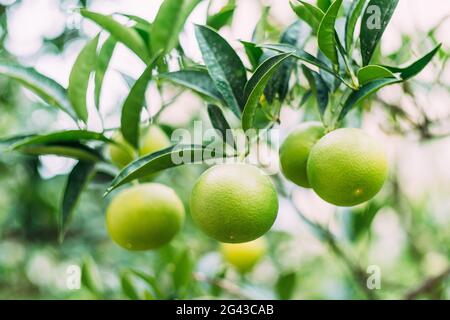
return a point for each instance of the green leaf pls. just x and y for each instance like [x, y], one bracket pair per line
[353, 15]
[361, 219]
[326, 35]
[373, 72]
[255, 87]
[90, 276]
[221, 18]
[224, 66]
[357, 96]
[285, 285]
[253, 52]
[308, 13]
[103, 59]
[375, 19]
[301, 55]
[60, 137]
[278, 85]
[79, 78]
[324, 4]
[68, 150]
[416, 67]
[47, 89]
[219, 123]
[128, 287]
[197, 80]
[169, 23]
[171, 157]
[128, 36]
[183, 271]
[76, 182]
[132, 107]
[151, 281]
[259, 34]
[318, 87]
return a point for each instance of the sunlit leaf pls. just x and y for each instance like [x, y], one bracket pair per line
[373, 72]
[103, 60]
[353, 15]
[309, 13]
[253, 52]
[223, 17]
[327, 35]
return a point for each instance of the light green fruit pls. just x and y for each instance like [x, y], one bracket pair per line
[152, 139]
[145, 216]
[294, 151]
[244, 256]
[234, 203]
[347, 167]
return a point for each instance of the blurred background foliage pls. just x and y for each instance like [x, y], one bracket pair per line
[315, 250]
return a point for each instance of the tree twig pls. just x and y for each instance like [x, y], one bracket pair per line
[428, 285]
[226, 285]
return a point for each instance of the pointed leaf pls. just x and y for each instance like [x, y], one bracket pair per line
[47, 89]
[224, 66]
[219, 123]
[255, 87]
[128, 36]
[308, 13]
[76, 182]
[171, 157]
[375, 19]
[90, 276]
[324, 4]
[169, 23]
[416, 67]
[221, 18]
[60, 137]
[132, 107]
[359, 95]
[79, 78]
[68, 150]
[353, 15]
[196, 80]
[373, 72]
[327, 35]
[318, 87]
[103, 59]
[253, 52]
[285, 285]
[128, 287]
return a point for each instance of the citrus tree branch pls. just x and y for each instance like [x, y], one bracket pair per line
[428, 285]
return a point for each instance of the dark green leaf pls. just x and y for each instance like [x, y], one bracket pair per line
[79, 78]
[168, 158]
[219, 123]
[416, 67]
[168, 24]
[324, 4]
[308, 13]
[224, 66]
[255, 87]
[305, 98]
[331, 80]
[353, 15]
[196, 80]
[68, 150]
[318, 87]
[253, 52]
[327, 35]
[278, 86]
[132, 107]
[103, 59]
[361, 220]
[357, 96]
[60, 137]
[128, 36]
[76, 182]
[285, 285]
[373, 72]
[47, 89]
[221, 18]
[375, 19]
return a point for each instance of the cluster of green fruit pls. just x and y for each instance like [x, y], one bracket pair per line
[237, 204]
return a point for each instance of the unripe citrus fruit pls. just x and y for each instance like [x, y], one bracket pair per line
[294, 151]
[234, 203]
[347, 167]
[244, 256]
[120, 153]
[145, 216]
[152, 139]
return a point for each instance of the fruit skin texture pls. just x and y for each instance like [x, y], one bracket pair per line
[294, 151]
[152, 139]
[244, 256]
[234, 203]
[145, 216]
[347, 167]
